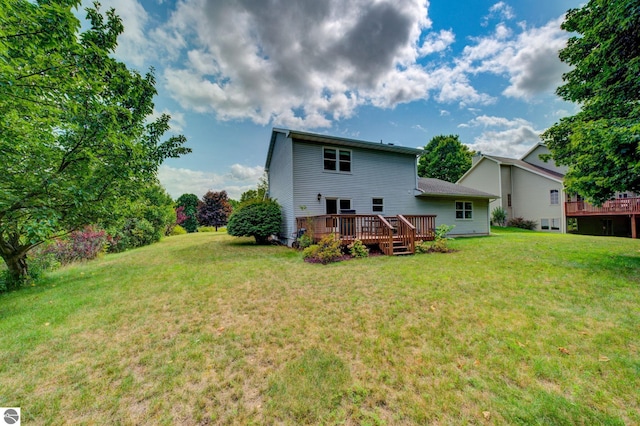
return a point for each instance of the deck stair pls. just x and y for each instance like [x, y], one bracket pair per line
[399, 247]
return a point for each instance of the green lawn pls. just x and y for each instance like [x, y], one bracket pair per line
[523, 328]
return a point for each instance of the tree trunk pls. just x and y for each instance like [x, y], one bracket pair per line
[18, 270]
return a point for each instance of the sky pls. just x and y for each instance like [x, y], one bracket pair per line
[398, 71]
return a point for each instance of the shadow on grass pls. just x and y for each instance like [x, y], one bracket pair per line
[621, 265]
[232, 250]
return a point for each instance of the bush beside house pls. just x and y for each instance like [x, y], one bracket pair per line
[258, 219]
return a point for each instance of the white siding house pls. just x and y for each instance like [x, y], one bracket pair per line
[312, 175]
[529, 187]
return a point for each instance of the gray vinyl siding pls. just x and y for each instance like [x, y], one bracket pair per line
[281, 183]
[486, 177]
[533, 201]
[374, 174]
[505, 173]
[444, 209]
[534, 158]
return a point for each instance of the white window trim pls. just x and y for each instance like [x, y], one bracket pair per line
[550, 222]
[340, 200]
[380, 205]
[464, 210]
[337, 160]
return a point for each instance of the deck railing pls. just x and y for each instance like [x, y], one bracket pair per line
[406, 234]
[370, 229]
[612, 207]
[425, 226]
[346, 227]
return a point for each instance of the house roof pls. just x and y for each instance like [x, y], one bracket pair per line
[441, 188]
[527, 166]
[337, 141]
[533, 148]
[541, 171]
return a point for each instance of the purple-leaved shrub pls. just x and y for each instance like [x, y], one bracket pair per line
[78, 245]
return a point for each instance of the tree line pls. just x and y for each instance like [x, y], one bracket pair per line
[77, 147]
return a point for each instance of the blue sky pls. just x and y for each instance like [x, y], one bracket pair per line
[401, 71]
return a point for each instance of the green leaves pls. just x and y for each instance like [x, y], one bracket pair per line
[258, 219]
[446, 158]
[74, 136]
[600, 143]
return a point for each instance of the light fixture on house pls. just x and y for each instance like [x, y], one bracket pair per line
[319, 197]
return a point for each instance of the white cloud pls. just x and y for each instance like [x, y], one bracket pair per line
[492, 121]
[501, 11]
[502, 136]
[436, 42]
[178, 181]
[309, 64]
[327, 60]
[240, 172]
[529, 60]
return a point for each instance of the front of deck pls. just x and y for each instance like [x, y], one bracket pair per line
[393, 234]
[619, 206]
[614, 209]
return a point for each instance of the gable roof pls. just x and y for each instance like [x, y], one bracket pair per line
[533, 148]
[441, 188]
[540, 171]
[528, 166]
[337, 141]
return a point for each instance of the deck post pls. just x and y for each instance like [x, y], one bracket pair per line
[634, 231]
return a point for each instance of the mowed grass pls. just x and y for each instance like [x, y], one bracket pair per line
[516, 328]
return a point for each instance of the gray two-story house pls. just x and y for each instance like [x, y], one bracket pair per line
[364, 190]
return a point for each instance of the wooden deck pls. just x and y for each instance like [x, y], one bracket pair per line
[619, 206]
[393, 234]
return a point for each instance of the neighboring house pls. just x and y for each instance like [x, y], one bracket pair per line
[534, 189]
[528, 187]
[364, 190]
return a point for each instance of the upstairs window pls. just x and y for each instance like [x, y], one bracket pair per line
[377, 205]
[337, 160]
[554, 196]
[464, 210]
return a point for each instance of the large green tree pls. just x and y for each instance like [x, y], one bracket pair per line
[189, 204]
[600, 144]
[74, 135]
[445, 157]
[144, 220]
